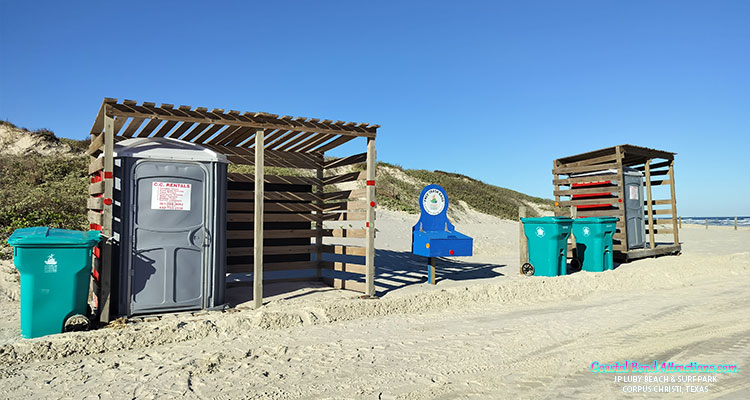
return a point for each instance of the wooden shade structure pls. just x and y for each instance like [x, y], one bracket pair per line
[658, 169]
[269, 217]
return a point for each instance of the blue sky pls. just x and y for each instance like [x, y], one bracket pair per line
[495, 90]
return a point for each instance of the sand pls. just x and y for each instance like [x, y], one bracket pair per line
[483, 331]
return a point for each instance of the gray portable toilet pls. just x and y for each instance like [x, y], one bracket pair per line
[170, 197]
[635, 223]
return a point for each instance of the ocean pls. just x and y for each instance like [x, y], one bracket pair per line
[724, 221]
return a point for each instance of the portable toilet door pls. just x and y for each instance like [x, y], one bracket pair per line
[634, 210]
[170, 235]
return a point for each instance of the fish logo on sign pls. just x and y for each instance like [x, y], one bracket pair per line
[539, 231]
[50, 265]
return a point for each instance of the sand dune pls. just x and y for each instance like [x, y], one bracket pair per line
[484, 331]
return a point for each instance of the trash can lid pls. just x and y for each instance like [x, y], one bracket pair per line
[41, 235]
[595, 220]
[546, 220]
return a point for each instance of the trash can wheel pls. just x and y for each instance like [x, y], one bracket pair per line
[527, 269]
[575, 264]
[76, 323]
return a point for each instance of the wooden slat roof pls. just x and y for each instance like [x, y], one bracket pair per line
[231, 129]
[632, 154]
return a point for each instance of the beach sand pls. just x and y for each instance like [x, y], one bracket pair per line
[483, 331]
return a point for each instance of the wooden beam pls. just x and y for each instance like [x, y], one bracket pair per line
[566, 170]
[319, 221]
[620, 190]
[650, 210]
[255, 121]
[340, 162]
[258, 223]
[674, 204]
[370, 224]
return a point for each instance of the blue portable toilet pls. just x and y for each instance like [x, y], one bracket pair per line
[433, 235]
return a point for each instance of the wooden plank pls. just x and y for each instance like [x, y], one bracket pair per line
[332, 144]
[659, 231]
[272, 217]
[351, 233]
[347, 284]
[583, 202]
[657, 251]
[275, 179]
[348, 267]
[273, 207]
[96, 188]
[586, 190]
[566, 170]
[340, 162]
[370, 223]
[345, 250]
[661, 182]
[150, 126]
[96, 145]
[660, 212]
[95, 217]
[346, 216]
[591, 161]
[277, 233]
[655, 165]
[282, 266]
[346, 195]
[133, 126]
[650, 207]
[658, 202]
[95, 203]
[348, 177]
[195, 131]
[271, 250]
[296, 140]
[586, 179]
[317, 141]
[598, 213]
[290, 196]
[165, 128]
[96, 165]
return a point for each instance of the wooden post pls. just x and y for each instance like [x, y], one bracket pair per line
[735, 223]
[370, 223]
[650, 206]
[674, 203]
[109, 167]
[523, 244]
[105, 278]
[319, 219]
[431, 271]
[706, 223]
[621, 197]
[680, 222]
[258, 222]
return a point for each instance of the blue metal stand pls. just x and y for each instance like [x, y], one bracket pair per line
[433, 235]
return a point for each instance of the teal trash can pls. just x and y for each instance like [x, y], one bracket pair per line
[548, 244]
[55, 266]
[594, 242]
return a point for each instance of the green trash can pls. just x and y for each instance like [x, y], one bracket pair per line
[55, 268]
[594, 242]
[548, 244]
